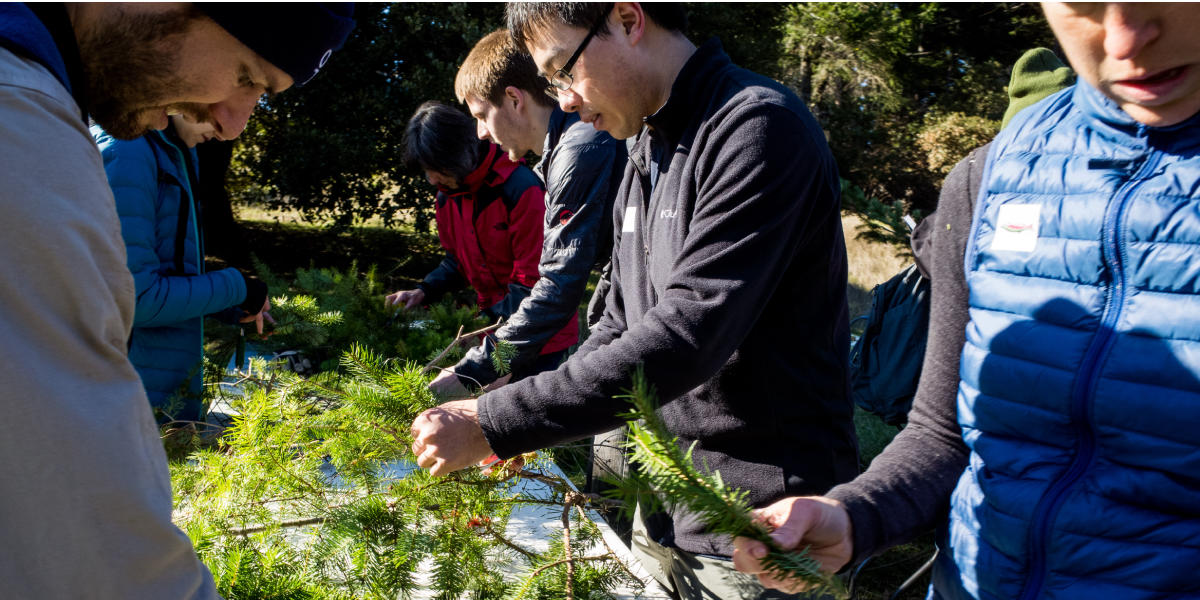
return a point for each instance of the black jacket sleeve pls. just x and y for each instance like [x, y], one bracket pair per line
[595, 308]
[753, 208]
[446, 277]
[907, 488]
[576, 217]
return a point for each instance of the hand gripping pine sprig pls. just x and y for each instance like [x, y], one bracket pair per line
[672, 474]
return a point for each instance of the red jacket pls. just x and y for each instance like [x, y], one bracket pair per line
[491, 229]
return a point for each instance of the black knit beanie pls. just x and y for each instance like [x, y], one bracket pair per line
[296, 37]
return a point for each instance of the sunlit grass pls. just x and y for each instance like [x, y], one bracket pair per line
[871, 263]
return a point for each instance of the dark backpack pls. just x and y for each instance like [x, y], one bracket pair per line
[885, 361]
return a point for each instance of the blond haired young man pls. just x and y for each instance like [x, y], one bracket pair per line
[580, 167]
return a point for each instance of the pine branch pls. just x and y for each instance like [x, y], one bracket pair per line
[460, 338]
[620, 563]
[673, 475]
[507, 542]
[566, 521]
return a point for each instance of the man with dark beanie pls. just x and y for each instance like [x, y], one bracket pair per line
[728, 282]
[85, 501]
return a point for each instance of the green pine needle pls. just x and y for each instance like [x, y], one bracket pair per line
[674, 477]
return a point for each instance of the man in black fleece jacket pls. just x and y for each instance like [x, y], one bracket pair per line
[728, 277]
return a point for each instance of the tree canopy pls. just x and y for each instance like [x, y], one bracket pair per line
[902, 90]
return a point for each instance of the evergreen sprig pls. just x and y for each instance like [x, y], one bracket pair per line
[503, 356]
[673, 476]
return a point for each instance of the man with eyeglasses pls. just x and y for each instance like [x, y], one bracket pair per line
[728, 282]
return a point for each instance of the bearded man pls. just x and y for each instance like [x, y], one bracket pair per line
[85, 502]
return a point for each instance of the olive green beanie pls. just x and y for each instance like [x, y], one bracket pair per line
[1037, 74]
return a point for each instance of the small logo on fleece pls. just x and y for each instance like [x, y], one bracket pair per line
[564, 216]
[320, 64]
[1017, 228]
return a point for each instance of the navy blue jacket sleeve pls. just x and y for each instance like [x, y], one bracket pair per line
[446, 277]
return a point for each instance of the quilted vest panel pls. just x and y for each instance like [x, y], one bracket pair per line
[1080, 377]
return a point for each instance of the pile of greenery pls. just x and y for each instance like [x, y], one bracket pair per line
[311, 490]
[311, 493]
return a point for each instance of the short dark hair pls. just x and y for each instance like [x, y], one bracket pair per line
[526, 16]
[494, 64]
[442, 138]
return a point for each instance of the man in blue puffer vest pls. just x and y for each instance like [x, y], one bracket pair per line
[152, 179]
[1079, 381]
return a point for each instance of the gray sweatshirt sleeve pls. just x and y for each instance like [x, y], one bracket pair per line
[85, 500]
[907, 488]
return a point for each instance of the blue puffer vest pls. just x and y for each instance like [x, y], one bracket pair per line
[152, 184]
[1080, 391]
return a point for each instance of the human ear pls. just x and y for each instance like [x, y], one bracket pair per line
[631, 20]
[514, 97]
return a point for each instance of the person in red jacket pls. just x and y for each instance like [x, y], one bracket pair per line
[489, 219]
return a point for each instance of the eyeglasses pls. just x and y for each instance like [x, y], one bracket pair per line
[562, 79]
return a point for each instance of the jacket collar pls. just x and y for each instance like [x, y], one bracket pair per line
[1104, 111]
[493, 170]
[690, 90]
[43, 33]
[559, 122]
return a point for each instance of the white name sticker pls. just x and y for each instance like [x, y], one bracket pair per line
[1017, 227]
[629, 225]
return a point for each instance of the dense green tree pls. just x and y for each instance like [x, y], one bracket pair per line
[880, 77]
[333, 147]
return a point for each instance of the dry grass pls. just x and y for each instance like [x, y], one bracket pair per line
[871, 263]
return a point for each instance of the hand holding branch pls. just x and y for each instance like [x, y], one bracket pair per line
[820, 523]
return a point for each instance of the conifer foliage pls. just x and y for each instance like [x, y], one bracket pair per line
[311, 492]
[663, 466]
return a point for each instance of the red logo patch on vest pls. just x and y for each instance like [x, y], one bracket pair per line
[564, 215]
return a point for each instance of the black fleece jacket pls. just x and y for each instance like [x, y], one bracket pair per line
[729, 287]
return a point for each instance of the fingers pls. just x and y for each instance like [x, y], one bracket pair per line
[747, 558]
[411, 302]
[747, 553]
[426, 455]
[787, 586]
